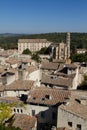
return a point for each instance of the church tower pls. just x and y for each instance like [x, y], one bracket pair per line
[68, 44]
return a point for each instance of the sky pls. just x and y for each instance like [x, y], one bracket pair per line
[43, 16]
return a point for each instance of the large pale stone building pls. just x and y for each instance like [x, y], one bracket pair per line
[32, 44]
[61, 51]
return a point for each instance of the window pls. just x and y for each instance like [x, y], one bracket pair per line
[21, 111]
[18, 110]
[79, 126]
[33, 112]
[70, 124]
[42, 114]
[14, 110]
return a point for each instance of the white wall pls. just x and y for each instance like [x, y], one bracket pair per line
[16, 93]
[35, 76]
[10, 79]
[14, 65]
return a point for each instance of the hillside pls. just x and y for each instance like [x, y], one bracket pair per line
[78, 40]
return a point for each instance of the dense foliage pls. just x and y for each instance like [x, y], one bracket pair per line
[2, 127]
[79, 57]
[5, 111]
[83, 85]
[36, 57]
[44, 51]
[27, 52]
[78, 40]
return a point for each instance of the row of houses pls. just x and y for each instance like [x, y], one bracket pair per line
[48, 91]
[50, 106]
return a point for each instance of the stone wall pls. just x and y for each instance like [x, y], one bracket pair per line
[67, 119]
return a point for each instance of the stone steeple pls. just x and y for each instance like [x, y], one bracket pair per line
[68, 44]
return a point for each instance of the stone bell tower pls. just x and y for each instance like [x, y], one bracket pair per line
[68, 44]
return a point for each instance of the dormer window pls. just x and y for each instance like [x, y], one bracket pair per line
[48, 97]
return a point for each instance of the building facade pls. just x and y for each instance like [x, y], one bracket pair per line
[72, 117]
[61, 51]
[32, 44]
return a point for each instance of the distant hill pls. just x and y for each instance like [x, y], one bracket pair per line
[10, 40]
[9, 34]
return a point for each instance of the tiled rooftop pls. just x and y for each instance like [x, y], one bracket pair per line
[24, 122]
[20, 85]
[12, 60]
[57, 81]
[47, 96]
[50, 65]
[75, 108]
[31, 68]
[32, 40]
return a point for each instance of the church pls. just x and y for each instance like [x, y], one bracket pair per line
[61, 51]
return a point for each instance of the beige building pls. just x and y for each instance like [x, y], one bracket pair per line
[61, 51]
[81, 50]
[32, 44]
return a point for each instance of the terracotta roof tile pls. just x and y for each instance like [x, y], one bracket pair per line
[32, 68]
[12, 60]
[24, 122]
[47, 96]
[57, 81]
[50, 65]
[20, 85]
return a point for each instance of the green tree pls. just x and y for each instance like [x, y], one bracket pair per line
[27, 52]
[5, 112]
[36, 57]
[44, 51]
[79, 57]
[2, 127]
[83, 85]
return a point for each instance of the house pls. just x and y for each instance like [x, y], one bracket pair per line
[51, 78]
[72, 114]
[29, 73]
[61, 81]
[42, 102]
[26, 60]
[19, 88]
[49, 67]
[12, 62]
[7, 77]
[22, 121]
[81, 50]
